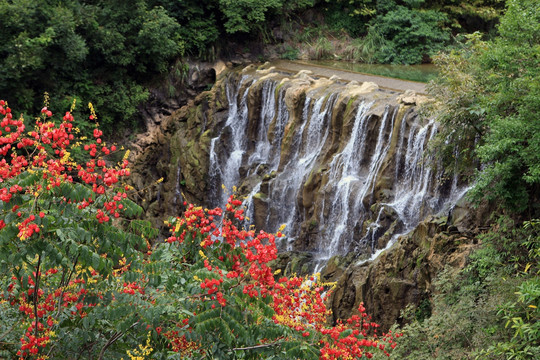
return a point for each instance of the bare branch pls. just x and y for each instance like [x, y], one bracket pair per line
[278, 342]
[113, 339]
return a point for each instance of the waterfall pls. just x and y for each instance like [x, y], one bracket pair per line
[224, 175]
[350, 184]
[344, 170]
[307, 144]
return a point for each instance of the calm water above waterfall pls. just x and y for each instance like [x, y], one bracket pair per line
[342, 166]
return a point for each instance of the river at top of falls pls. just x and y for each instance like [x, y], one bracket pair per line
[343, 172]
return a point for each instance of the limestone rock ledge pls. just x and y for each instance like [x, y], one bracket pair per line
[176, 148]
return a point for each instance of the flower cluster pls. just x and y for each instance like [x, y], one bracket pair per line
[44, 151]
[41, 307]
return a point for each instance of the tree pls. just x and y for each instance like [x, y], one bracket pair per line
[85, 49]
[59, 245]
[501, 98]
[411, 34]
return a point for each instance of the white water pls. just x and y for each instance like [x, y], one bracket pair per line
[307, 144]
[227, 172]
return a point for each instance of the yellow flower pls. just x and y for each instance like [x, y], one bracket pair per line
[73, 105]
[65, 158]
[142, 352]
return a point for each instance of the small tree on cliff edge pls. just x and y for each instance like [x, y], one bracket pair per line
[488, 99]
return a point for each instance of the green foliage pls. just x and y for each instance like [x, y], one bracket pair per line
[456, 91]
[461, 322]
[290, 53]
[511, 147]
[411, 35]
[351, 16]
[159, 28]
[81, 49]
[60, 253]
[487, 310]
[365, 49]
[522, 316]
[200, 23]
[413, 30]
[489, 96]
[473, 15]
[243, 15]
[321, 49]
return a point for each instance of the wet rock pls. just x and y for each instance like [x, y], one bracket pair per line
[403, 274]
[293, 263]
[260, 206]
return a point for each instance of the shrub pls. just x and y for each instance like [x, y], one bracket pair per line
[487, 310]
[487, 98]
[411, 35]
[366, 49]
[321, 49]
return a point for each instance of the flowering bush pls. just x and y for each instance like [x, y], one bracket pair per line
[60, 248]
[238, 307]
[79, 278]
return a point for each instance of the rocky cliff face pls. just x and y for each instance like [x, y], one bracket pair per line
[175, 145]
[341, 164]
[403, 274]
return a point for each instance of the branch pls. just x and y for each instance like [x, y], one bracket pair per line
[36, 290]
[8, 331]
[64, 283]
[113, 339]
[277, 342]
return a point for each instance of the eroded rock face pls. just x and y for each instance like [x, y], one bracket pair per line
[176, 149]
[342, 164]
[404, 273]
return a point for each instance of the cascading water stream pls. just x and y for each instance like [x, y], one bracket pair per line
[344, 175]
[350, 183]
[412, 199]
[261, 153]
[308, 142]
[267, 150]
[226, 173]
[412, 188]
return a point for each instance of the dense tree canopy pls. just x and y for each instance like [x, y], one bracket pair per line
[111, 51]
[82, 49]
